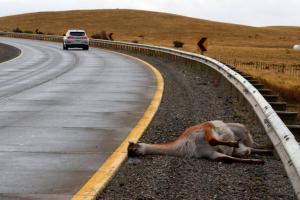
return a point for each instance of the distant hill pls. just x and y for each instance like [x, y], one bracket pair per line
[156, 27]
[225, 40]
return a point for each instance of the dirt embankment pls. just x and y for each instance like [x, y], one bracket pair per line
[189, 98]
[8, 52]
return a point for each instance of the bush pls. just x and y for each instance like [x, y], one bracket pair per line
[27, 31]
[96, 36]
[178, 44]
[101, 35]
[17, 30]
[37, 31]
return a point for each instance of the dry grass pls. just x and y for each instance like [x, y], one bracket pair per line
[266, 55]
[288, 87]
[226, 41]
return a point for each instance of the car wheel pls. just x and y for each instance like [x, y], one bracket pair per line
[67, 47]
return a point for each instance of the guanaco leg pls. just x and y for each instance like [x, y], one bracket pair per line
[261, 151]
[213, 141]
[229, 159]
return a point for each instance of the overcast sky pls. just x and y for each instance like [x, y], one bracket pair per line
[249, 12]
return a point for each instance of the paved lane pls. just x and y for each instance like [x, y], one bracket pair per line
[61, 115]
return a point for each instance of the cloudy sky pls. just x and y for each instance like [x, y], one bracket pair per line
[249, 12]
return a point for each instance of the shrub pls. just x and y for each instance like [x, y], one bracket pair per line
[101, 35]
[27, 31]
[96, 36]
[17, 30]
[37, 31]
[178, 44]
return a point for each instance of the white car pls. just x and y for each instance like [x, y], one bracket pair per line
[76, 39]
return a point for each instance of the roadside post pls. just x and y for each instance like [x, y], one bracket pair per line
[203, 45]
[110, 36]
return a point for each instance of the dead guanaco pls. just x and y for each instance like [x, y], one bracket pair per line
[215, 140]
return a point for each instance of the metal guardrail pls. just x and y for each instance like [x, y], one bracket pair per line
[283, 140]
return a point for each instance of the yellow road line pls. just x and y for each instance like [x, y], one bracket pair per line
[105, 173]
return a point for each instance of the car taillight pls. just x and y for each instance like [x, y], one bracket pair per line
[70, 37]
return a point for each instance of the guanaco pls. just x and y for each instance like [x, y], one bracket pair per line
[214, 140]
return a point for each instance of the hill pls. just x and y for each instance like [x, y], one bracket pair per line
[155, 27]
[162, 29]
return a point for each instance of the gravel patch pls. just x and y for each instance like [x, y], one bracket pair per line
[8, 52]
[190, 97]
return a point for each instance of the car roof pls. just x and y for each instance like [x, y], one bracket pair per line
[75, 30]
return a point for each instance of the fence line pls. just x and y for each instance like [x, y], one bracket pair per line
[289, 69]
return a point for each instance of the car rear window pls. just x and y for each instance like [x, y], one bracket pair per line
[77, 33]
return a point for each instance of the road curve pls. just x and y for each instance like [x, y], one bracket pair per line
[62, 113]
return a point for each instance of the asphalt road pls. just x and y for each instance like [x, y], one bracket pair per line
[62, 113]
[8, 52]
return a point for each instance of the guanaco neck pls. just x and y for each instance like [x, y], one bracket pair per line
[169, 149]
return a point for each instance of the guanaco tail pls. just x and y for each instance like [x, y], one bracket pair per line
[214, 140]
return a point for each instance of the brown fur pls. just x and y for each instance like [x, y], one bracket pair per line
[213, 140]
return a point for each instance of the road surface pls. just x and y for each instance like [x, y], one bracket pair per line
[62, 113]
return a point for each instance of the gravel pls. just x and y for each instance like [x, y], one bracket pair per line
[8, 52]
[190, 97]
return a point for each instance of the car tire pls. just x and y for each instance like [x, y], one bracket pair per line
[67, 47]
[64, 47]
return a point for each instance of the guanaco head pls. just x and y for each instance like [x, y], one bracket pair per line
[133, 150]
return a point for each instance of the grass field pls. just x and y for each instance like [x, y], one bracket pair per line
[226, 41]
